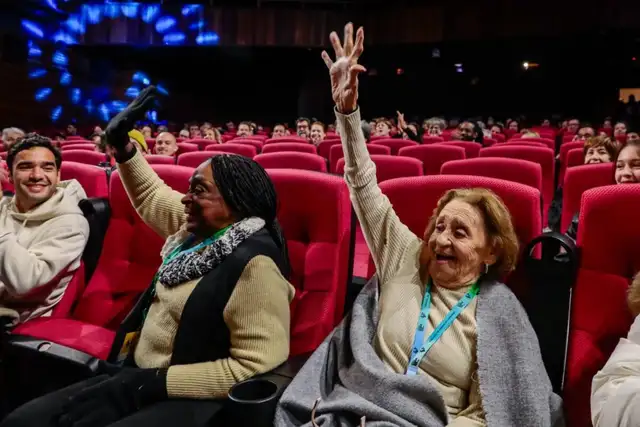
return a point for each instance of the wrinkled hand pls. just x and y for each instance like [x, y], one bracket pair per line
[118, 128]
[344, 71]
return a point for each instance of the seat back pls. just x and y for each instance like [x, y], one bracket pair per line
[577, 180]
[255, 143]
[523, 143]
[433, 156]
[336, 153]
[246, 150]
[185, 147]
[130, 255]
[564, 150]
[471, 149]
[291, 160]
[83, 156]
[394, 144]
[200, 142]
[514, 170]
[325, 146]
[543, 156]
[608, 239]
[160, 159]
[92, 178]
[315, 215]
[547, 142]
[297, 139]
[414, 200]
[429, 139]
[193, 160]
[575, 157]
[80, 146]
[290, 146]
[390, 167]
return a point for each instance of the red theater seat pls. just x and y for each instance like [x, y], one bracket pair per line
[549, 143]
[324, 148]
[541, 155]
[290, 146]
[200, 142]
[575, 157]
[130, 257]
[471, 149]
[255, 143]
[92, 178]
[185, 147]
[433, 156]
[414, 200]
[83, 156]
[193, 160]
[336, 153]
[315, 214]
[297, 139]
[564, 149]
[246, 150]
[160, 159]
[514, 170]
[90, 147]
[523, 143]
[577, 180]
[608, 240]
[394, 144]
[292, 160]
[427, 139]
[390, 167]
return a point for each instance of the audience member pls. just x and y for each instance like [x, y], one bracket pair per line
[42, 231]
[184, 133]
[10, 136]
[213, 134]
[585, 133]
[279, 131]
[71, 130]
[317, 133]
[615, 392]
[573, 126]
[467, 131]
[627, 171]
[620, 129]
[469, 244]
[597, 149]
[407, 131]
[233, 304]
[303, 127]
[166, 144]
[147, 132]
[383, 128]
[244, 130]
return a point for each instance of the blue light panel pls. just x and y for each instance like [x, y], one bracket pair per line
[165, 23]
[208, 38]
[76, 95]
[65, 78]
[38, 72]
[43, 93]
[56, 113]
[60, 58]
[32, 28]
[176, 38]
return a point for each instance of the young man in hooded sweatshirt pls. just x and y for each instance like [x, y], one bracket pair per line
[42, 231]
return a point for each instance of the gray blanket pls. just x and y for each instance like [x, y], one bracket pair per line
[349, 377]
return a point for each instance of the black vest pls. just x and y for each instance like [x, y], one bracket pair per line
[202, 334]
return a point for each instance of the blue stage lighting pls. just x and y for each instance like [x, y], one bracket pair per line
[103, 110]
[56, 113]
[34, 51]
[198, 25]
[162, 90]
[88, 105]
[92, 13]
[150, 13]
[38, 72]
[208, 38]
[174, 38]
[118, 106]
[191, 9]
[75, 95]
[43, 93]
[60, 58]
[75, 24]
[152, 115]
[141, 77]
[132, 92]
[32, 28]
[53, 4]
[112, 10]
[130, 10]
[165, 23]
[65, 78]
[63, 37]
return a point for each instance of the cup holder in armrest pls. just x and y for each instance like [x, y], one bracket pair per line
[253, 402]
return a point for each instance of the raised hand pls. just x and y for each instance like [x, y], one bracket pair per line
[118, 128]
[402, 124]
[344, 71]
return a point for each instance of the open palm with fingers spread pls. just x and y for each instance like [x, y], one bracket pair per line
[344, 71]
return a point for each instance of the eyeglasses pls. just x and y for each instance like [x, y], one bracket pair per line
[363, 420]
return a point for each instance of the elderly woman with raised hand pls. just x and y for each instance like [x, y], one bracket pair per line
[439, 341]
[216, 312]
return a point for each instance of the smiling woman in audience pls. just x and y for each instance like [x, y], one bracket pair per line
[418, 355]
[216, 313]
[598, 149]
[626, 171]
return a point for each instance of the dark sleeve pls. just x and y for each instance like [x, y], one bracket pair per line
[555, 210]
[573, 228]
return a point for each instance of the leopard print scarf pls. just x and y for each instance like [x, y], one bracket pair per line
[188, 266]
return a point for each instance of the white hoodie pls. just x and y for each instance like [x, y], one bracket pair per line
[37, 246]
[615, 392]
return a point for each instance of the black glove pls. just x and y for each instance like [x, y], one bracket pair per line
[108, 401]
[118, 128]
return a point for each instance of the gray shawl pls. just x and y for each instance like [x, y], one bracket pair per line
[352, 381]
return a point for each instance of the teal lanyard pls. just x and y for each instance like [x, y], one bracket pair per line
[420, 348]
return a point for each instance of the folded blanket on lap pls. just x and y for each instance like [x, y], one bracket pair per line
[352, 381]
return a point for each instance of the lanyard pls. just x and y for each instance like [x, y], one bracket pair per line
[420, 348]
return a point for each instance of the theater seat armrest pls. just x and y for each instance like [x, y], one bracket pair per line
[292, 366]
[65, 355]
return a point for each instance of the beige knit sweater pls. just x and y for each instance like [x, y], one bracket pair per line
[257, 316]
[451, 363]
